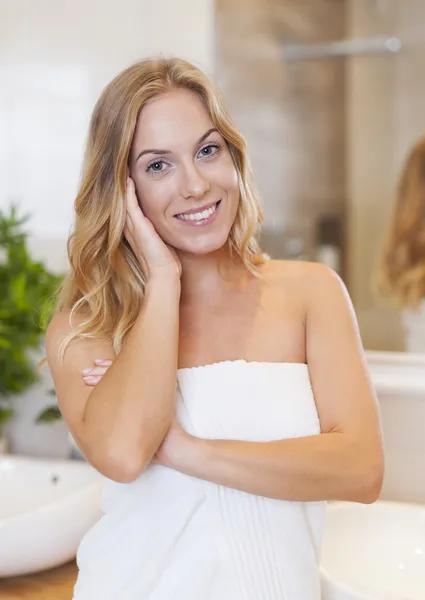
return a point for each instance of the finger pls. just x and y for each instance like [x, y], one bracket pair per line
[98, 370]
[92, 380]
[129, 237]
[149, 224]
[131, 198]
[136, 220]
[127, 233]
[129, 221]
[94, 371]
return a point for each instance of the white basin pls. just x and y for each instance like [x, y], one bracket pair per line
[374, 551]
[397, 372]
[46, 506]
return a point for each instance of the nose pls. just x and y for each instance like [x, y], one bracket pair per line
[193, 184]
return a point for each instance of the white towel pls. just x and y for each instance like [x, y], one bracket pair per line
[168, 536]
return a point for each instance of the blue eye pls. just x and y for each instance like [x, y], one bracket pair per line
[209, 150]
[156, 166]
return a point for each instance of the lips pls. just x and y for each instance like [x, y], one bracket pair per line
[200, 209]
[200, 214]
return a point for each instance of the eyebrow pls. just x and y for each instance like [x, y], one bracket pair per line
[156, 151]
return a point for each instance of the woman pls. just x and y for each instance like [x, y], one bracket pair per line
[401, 277]
[185, 362]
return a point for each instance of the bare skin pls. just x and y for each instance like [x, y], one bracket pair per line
[296, 312]
[302, 304]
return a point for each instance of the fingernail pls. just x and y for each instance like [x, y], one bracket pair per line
[86, 370]
[101, 361]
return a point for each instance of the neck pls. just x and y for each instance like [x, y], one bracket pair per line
[203, 275]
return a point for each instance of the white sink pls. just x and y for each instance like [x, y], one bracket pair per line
[374, 552]
[46, 506]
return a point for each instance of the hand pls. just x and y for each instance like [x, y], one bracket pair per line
[93, 375]
[154, 256]
[174, 447]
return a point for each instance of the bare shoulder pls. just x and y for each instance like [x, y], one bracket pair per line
[62, 325]
[328, 310]
[301, 270]
[311, 282]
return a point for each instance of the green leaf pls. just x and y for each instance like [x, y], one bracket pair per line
[4, 343]
[27, 297]
[49, 415]
[5, 415]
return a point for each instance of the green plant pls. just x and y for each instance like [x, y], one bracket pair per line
[51, 413]
[5, 414]
[27, 290]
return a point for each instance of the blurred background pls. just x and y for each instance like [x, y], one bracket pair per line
[330, 95]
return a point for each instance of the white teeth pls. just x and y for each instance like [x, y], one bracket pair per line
[199, 216]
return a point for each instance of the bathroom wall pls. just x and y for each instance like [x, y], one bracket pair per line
[292, 114]
[327, 136]
[385, 116]
[55, 57]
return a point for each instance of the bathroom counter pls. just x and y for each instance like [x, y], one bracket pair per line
[56, 584]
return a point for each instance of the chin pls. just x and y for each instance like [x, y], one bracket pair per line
[201, 245]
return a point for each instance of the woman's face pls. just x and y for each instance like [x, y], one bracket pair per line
[184, 175]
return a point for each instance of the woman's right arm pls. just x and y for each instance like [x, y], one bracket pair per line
[120, 423]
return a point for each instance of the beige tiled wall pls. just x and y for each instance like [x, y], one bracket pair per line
[291, 114]
[327, 136]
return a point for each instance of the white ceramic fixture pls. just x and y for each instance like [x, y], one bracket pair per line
[399, 381]
[46, 506]
[374, 551]
[397, 372]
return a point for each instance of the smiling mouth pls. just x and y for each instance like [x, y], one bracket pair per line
[199, 216]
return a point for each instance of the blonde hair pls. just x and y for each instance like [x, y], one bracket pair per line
[401, 276]
[105, 283]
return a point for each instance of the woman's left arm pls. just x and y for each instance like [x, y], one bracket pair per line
[344, 462]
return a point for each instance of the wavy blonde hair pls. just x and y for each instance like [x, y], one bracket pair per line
[105, 283]
[401, 275]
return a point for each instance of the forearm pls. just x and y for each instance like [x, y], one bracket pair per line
[320, 467]
[131, 408]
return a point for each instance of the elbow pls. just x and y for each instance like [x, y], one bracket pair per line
[373, 491]
[122, 465]
[124, 469]
[368, 489]
[123, 472]
[125, 460]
